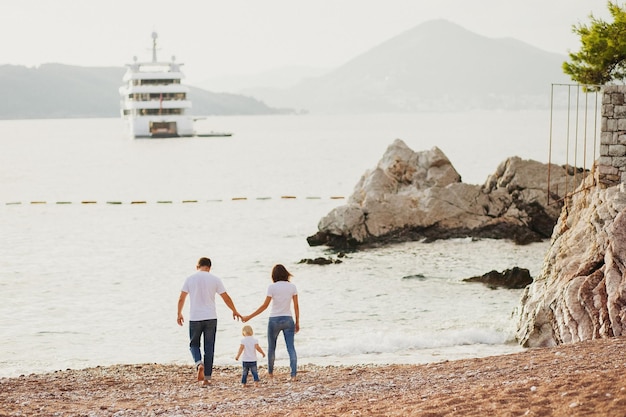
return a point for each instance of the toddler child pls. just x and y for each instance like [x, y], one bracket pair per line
[249, 346]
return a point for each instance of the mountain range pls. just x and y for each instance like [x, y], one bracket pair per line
[64, 91]
[435, 66]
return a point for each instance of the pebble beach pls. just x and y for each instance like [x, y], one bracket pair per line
[580, 379]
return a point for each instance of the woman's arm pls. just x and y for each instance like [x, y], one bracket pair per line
[259, 310]
[296, 312]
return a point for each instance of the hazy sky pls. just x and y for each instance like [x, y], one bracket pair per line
[221, 37]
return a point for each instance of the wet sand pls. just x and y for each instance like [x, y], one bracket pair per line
[582, 379]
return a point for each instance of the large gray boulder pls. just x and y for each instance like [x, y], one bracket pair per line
[580, 293]
[419, 195]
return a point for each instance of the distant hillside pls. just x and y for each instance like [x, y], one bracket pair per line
[64, 91]
[283, 77]
[437, 65]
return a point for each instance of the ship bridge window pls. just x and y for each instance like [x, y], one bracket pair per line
[157, 112]
[157, 96]
[162, 81]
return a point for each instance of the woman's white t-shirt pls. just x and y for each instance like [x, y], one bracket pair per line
[282, 293]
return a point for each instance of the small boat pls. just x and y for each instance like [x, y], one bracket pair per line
[154, 103]
[213, 134]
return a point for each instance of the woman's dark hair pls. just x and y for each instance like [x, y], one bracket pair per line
[280, 273]
[204, 262]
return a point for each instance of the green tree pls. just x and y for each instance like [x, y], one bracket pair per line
[602, 57]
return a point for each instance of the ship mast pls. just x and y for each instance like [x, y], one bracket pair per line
[154, 47]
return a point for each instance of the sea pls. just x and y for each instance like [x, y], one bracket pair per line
[98, 232]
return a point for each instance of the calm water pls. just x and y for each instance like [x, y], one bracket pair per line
[95, 284]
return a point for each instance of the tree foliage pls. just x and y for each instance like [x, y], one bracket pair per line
[602, 57]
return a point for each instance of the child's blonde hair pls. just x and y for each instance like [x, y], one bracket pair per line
[247, 331]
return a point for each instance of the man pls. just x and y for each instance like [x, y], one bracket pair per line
[201, 288]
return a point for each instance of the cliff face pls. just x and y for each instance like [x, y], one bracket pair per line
[419, 195]
[581, 291]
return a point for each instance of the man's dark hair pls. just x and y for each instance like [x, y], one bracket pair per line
[204, 262]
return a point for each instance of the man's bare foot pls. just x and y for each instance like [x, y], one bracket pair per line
[293, 379]
[206, 383]
[200, 372]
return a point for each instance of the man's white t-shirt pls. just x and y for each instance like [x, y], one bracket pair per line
[249, 349]
[202, 287]
[282, 293]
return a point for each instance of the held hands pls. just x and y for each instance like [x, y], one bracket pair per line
[237, 316]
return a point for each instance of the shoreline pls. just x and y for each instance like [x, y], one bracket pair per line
[585, 378]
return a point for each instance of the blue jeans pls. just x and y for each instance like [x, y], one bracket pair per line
[203, 329]
[251, 367]
[288, 327]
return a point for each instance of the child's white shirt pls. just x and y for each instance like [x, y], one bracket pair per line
[249, 349]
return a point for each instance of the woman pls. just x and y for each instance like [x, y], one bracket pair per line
[280, 294]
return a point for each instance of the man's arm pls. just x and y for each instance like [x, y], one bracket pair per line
[181, 302]
[229, 303]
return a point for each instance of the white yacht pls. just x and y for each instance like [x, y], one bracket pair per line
[153, 101]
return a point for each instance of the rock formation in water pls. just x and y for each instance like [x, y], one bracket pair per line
[580, 293]
[419, 195]
[514, 278]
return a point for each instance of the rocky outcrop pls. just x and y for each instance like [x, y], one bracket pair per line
[514, 278]
[419, 195]
[580, 293]
[321, 261]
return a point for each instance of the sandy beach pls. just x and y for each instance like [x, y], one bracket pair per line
[582, 379]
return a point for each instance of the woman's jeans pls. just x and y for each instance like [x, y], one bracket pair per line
[198, 329]
[274, 327]
[249, 366]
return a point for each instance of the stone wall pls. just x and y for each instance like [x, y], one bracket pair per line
[612, 162]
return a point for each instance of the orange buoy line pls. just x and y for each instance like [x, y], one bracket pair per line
[138, 202]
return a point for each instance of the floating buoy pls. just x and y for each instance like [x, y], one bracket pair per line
[284, 197]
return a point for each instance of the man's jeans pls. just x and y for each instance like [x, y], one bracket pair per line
[198, 329]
